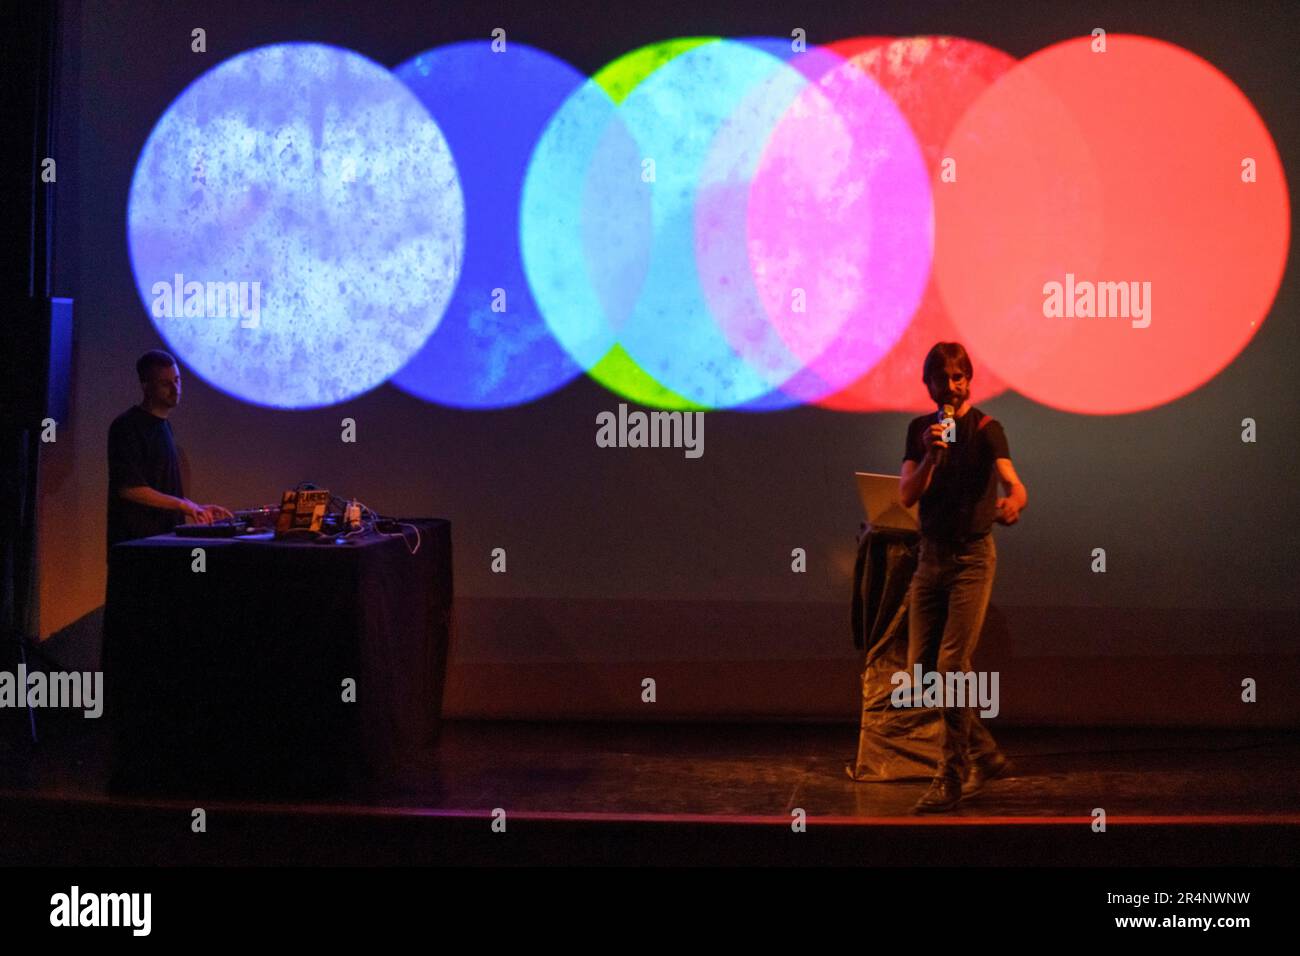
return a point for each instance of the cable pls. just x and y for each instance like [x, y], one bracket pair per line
[417, 536]
[403, 524]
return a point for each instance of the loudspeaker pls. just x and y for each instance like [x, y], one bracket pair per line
[36, 374]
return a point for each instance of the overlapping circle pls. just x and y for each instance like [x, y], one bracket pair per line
[716, 223]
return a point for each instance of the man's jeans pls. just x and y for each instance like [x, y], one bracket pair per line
[947, 600]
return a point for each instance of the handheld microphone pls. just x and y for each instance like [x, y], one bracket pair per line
[941, 456]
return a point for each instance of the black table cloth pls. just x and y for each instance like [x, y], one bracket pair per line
[893, 743]
[231, 680]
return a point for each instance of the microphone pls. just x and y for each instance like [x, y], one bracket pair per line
[941, 456]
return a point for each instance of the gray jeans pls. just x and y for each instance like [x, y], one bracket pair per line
[947, 601]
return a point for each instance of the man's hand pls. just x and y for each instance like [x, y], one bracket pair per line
[1017, 499]
[217, 513]
[935, 442]
[1008, 512]
[197, 514]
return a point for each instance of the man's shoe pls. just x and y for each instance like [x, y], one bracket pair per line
[944, 794]
[982, 771]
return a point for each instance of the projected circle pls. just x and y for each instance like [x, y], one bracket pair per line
[572, 204]
[697, 128]
[676, 116]
[1118, 227]
[492, 348]
[840, 228]
[933, 80]
[721, 243]
[729, 278]
[306, 190]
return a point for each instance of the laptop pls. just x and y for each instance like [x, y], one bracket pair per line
[884, 508]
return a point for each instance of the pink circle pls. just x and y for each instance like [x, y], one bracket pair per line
[837, 242]
[933, 80]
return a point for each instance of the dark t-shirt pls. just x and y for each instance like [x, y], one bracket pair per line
[141, 452]
[961, 501]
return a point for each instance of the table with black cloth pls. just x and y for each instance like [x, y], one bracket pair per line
[893, 743]
[232, 679]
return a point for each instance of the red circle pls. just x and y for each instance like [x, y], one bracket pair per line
[1123, 166]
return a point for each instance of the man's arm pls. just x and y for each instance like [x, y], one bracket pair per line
[1016, 497]
[915, 479]
[916, 475]
[125, 472]
[152, 498]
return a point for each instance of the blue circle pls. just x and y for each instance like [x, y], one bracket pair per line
[493, 348]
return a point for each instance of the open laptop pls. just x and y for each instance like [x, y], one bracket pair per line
[880, 500]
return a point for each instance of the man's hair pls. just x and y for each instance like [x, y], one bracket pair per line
[154, 358]
[937, 360]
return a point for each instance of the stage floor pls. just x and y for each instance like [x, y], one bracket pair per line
[671, 792]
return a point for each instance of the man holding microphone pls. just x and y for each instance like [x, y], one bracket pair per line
[956, 480]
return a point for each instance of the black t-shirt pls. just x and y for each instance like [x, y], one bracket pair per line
[141, 452]
[961, 501]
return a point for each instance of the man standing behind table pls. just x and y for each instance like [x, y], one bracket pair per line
[145, 496]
